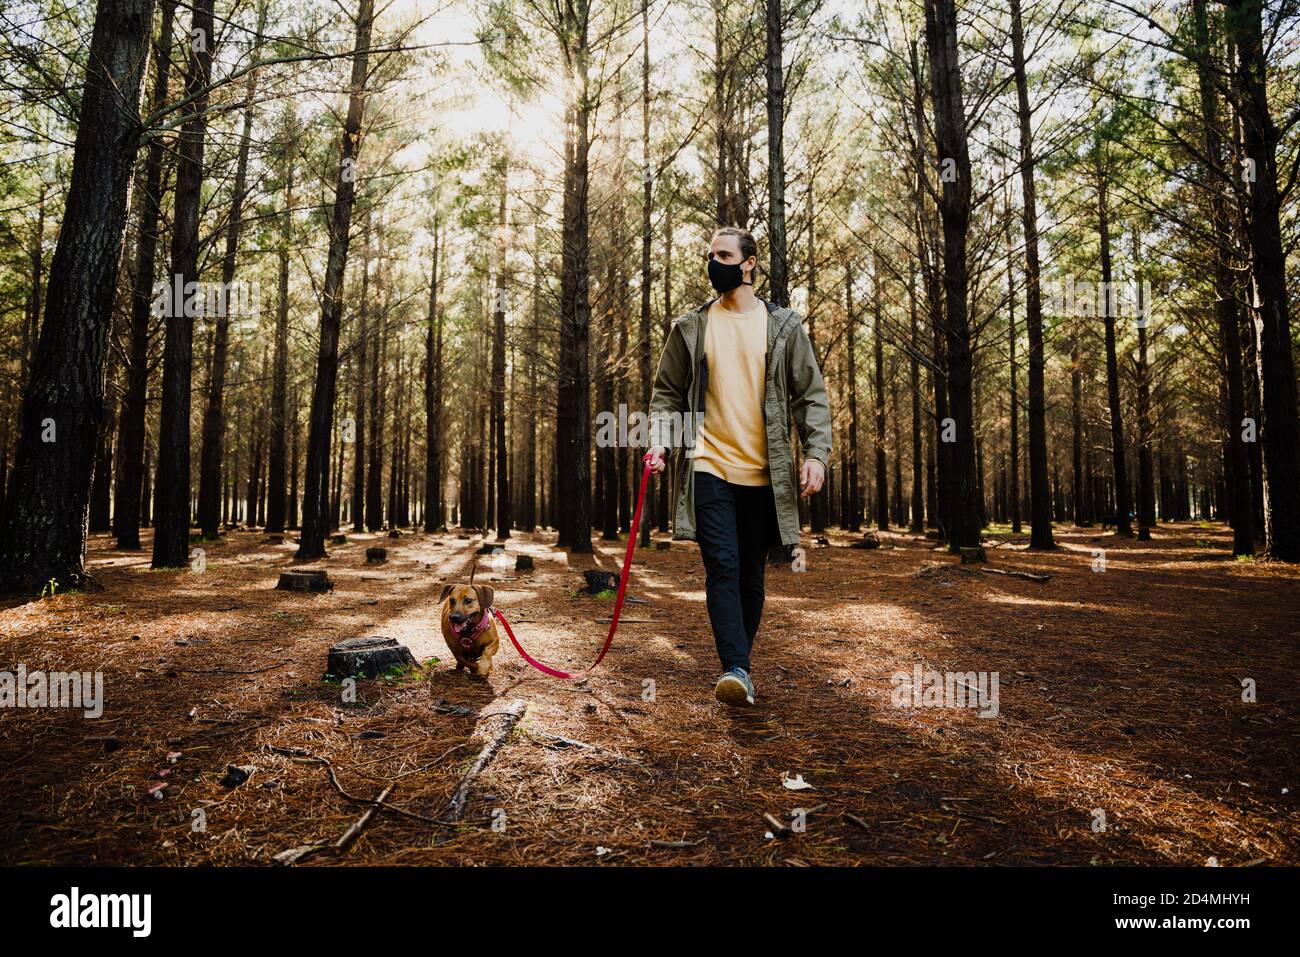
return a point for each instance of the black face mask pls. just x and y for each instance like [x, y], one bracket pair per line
[725, 276]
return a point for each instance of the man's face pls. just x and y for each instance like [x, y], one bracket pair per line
[726, 249]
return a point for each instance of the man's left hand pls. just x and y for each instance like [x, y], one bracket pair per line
[811, 477]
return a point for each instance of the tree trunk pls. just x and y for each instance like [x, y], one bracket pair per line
[900, 506]
[439, 504]
[377, 393]
[1040, 504]
[938, 468]
[1242, 508]
[645, 361]
[778, 280]
[667, 500]
[361, 384]
[878, 342]
[315, 518]
[131, 426]
[275, 508]
[818, 502]
[1123, 524]
[171, 539]
[499, 370]
[1082, 514]
[573, 448]
[1013, 493]
[917, 525]
[954, 210]
[853, 518]
[394, 467]
[1146, 501]
[44, 527]
[432, 406]
[214, 421]
[100, 488]
[1279, 430]
[293, 460]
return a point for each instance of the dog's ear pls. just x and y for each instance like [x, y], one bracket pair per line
[485, 595]
[446, 590]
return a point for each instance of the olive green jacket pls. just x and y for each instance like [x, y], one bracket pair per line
[794, 387]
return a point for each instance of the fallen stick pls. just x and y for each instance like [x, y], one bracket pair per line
[625, 621]
[351, 834]
[461, 795]
[991, 820]
[1012, 574]
[676, 845]
[296, 854]
[779, 829]
[856, 821]
[333, 778]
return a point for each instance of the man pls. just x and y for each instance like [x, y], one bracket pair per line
[736, 369]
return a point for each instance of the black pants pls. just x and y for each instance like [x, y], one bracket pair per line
[735, 525]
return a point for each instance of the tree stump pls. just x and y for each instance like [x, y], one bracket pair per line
[599, 581]
[367, 657]
[868, 540]
[338, 539]
[523, 563]
[305, 579]
[275, 539]
[376, 555]
[663, 546]
[972, 556]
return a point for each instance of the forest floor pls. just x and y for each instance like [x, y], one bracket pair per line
[1121, 735]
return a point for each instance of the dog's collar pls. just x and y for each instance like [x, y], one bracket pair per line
[462, 631]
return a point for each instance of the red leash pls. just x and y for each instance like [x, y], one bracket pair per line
[618, 603]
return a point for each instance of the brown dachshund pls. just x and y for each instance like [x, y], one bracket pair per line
[469, 628]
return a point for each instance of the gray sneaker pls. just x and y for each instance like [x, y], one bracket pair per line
[735, 688]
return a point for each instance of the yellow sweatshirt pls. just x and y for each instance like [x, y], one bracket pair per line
[732, 440]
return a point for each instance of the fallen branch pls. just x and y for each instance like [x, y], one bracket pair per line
[296, 854]
[1013, 574]
[856, 821]
[779, 828]
[304, 758]
[460, 796]
[351, 834]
